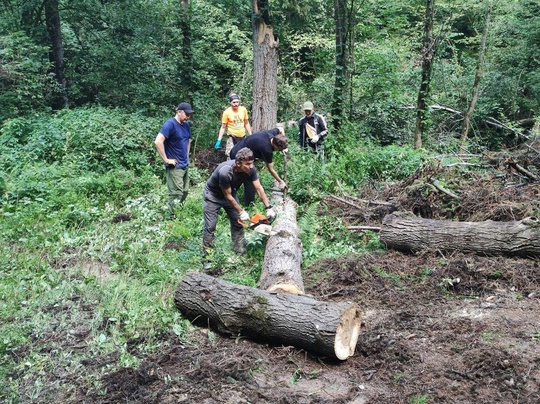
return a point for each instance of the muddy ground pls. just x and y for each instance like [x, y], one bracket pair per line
[438, 327]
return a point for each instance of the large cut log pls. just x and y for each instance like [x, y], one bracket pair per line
[405, 232]
[329, 329]
[281, 270]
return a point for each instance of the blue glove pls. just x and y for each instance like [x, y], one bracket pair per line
[218, 143]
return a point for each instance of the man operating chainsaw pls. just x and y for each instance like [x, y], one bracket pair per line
[220, 192]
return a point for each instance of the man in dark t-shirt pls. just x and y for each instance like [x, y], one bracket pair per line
[173, 143]
[220, 192]
[263, 144]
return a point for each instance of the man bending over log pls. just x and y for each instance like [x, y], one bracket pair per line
[220, 192]
[263, 144]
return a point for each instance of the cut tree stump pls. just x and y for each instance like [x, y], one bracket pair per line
[326, 328]
[405, 232]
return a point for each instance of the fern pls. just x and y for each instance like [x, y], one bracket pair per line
[308, 222]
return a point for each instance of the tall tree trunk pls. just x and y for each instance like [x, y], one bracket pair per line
[342, 58]
[187, 54]
[52, 19]
[265, 59]
[428, 52]
[477, 78]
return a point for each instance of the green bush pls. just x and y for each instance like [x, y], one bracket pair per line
[25, 82]
[93, 139]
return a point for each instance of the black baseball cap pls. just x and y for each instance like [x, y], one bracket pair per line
[186, 107]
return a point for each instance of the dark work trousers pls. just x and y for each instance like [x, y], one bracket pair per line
[211, 208]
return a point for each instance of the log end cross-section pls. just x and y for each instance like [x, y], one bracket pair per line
[347, 333]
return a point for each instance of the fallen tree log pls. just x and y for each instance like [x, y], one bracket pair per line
[405, 232]
[281, 270]
[326, 328]
[278, 311]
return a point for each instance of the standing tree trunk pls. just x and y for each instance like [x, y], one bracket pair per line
[428, 52]
[342, 58]
[52, 19]
[187, 54]
[265, 59]
[477, 78]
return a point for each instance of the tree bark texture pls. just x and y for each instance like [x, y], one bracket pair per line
[428, 52]
[341, 19]
[329, 329]
[52, 19]
[265, 58]
[281, 271]
[186, 69]
[477, 78]
[405, 232]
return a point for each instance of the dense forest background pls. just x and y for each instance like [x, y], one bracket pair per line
[88, 262]
[146, 57]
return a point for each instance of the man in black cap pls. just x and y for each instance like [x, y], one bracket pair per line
[172, 143]
[235, 121]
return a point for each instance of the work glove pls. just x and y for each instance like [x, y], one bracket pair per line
[315, 139]
[244, 216]
[270, 214]
[218, 143]
[282, 185]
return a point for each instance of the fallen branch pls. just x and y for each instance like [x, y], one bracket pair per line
[520, 169]
[364, 228]
[437, 185]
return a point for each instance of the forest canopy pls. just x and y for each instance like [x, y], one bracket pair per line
[359, 62]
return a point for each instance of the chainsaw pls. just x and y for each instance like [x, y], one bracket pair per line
[259, 223]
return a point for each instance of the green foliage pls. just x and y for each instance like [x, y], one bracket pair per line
[358, 164]
[307, 176]
[419, 399]
[512, 89]
[89, 139]
[388, 123]
[347, 165]
[83, 238]
[25, 83]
